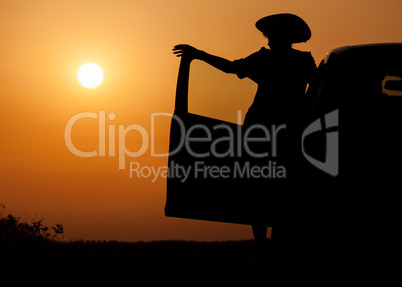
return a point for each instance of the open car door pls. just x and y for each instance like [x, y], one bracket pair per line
[208, 171]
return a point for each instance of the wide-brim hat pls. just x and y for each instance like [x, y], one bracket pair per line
[286, 26]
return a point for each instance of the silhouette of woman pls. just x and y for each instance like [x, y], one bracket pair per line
[282, 74]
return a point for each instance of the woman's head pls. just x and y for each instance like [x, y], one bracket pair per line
[278, 43]
[284, 29]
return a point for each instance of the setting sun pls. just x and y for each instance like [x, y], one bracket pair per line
[90, 75]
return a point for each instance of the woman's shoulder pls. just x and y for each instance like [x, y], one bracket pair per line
[303, 57]
[296, 53]
[257, 56]
[302, 53]
[262, 52]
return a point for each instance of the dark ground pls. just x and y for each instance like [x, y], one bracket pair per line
[35, 248]
[125, 255]
[177, 258]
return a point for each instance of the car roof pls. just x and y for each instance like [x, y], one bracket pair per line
[345, 49]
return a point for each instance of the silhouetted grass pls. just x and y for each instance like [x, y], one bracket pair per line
[34, 246]
[26, 245]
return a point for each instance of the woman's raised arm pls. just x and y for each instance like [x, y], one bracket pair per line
[220, 63]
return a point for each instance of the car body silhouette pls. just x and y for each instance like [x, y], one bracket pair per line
[356, 113]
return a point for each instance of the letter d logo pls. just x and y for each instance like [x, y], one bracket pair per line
[331, 163]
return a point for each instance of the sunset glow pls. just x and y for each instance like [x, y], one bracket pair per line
[43, 46]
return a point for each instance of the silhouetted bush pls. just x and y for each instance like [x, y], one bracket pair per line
[34, 245]
[12, 230]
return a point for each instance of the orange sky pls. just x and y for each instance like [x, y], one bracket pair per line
[43, 44]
